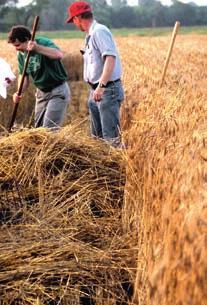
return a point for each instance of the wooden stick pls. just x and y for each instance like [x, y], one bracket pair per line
[175, 31]
[19, 92]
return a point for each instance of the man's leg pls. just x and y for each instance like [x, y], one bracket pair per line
[109, 108]
[57, 106]
[40, 107]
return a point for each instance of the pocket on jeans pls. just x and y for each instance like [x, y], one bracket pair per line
[110, 92]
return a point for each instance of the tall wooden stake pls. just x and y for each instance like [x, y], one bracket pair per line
[36, 20]
[175, 31]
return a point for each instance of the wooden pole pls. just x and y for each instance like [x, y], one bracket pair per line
[175, 31]
[19, 92]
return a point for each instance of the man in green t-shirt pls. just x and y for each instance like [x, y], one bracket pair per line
[48, 75]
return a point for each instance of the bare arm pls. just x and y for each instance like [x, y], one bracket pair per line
[107, 71]
[25, 84]
[47, 51]
[16, 97]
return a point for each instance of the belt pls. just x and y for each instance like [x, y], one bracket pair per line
[94, 86]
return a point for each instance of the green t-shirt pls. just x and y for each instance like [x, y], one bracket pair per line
[46, 73]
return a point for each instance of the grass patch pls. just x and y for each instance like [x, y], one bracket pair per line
[123, 32]
[158, 31]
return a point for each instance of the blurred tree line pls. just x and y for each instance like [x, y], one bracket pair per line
[116, 14]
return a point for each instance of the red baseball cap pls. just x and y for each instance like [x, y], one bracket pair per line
[77, 8]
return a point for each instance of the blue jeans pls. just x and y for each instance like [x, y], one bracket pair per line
[51, 107]
[105, 115]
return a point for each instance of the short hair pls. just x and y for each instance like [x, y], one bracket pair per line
[87, 15]
[20, 32]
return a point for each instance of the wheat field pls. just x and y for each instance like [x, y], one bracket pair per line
[158, 241]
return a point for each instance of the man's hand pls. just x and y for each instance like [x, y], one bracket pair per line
[16, 98]
[98, 94]
[32, 45]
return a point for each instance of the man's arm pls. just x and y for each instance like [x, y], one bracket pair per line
[16, 97]
[52, 53]
[107, 69]
[105, 76]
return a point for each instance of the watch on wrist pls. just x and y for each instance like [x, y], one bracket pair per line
[101, 85]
